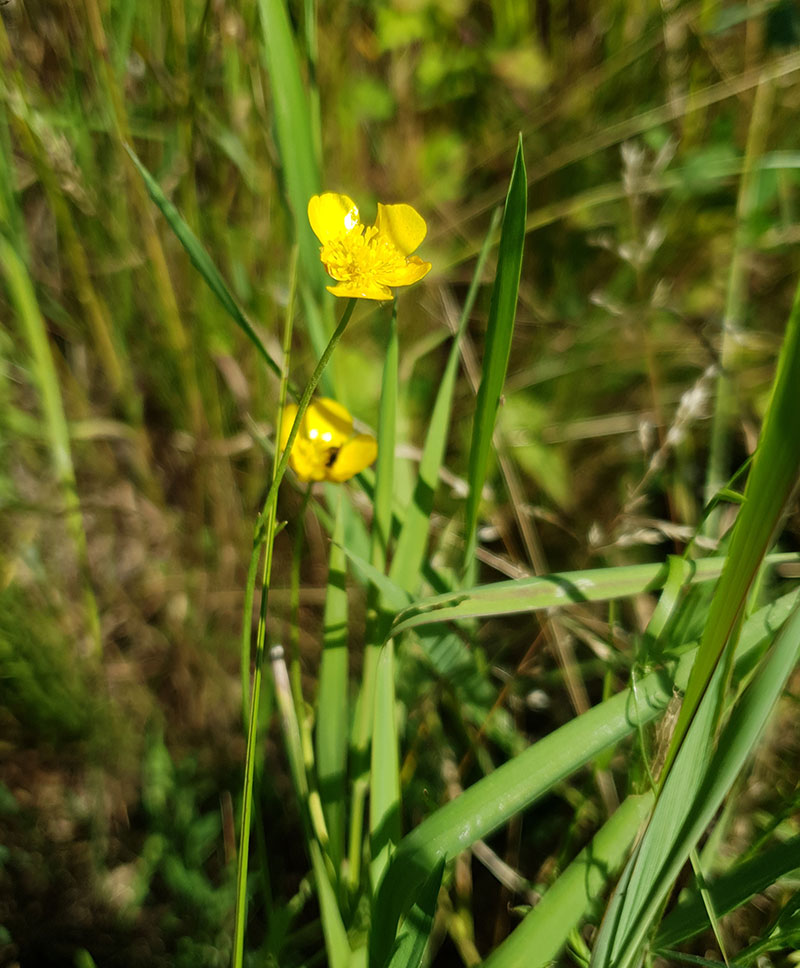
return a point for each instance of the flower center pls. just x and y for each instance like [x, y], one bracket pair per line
[360, 254]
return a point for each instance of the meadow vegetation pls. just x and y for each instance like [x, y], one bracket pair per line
[437, 709]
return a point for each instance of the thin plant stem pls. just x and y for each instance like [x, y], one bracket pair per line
[265, 534]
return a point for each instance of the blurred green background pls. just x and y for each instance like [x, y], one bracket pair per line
[135, 419]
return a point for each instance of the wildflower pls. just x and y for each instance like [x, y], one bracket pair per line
[326, 448]
[366, 261]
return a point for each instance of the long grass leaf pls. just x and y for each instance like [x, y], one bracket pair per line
[500, 327]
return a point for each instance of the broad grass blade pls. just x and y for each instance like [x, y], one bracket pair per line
[538, 940]
[773, 478]
[502, 311]
[201, 260]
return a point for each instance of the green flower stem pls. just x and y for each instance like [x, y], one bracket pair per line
[302, 406]
[264, 537]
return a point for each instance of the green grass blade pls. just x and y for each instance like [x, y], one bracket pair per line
[411, 544]
[773, 477]
[548, 591]
[728, 892]
[332, 703]
[502, 311]
[538, 940]
[201, 260]
[384, 803]
[691, 795]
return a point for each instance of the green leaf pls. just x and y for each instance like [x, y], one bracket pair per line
[502, 311]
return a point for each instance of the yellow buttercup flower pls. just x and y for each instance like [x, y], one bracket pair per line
[366, 261]
[326, 448]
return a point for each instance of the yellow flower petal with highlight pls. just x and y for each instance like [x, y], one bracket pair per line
[367, 262]
[326, 448]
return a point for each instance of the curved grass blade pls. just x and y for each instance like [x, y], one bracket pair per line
[564, 588]
[201, 260]
[502, 311]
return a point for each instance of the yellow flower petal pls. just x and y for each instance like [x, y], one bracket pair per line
[327, 422]
[354, 455]
[412, 271]
[332, 216]
[361, 289]
[402, 225]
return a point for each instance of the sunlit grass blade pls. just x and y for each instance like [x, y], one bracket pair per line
[202, 261]
[332, 703]
[411, 544]
[729, 891]
[773, 477]
[548, 591]
[691, 795]
[500, 327]
[545, 930]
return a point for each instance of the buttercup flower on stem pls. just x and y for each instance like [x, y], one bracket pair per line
[326, 447]
[366, 261]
